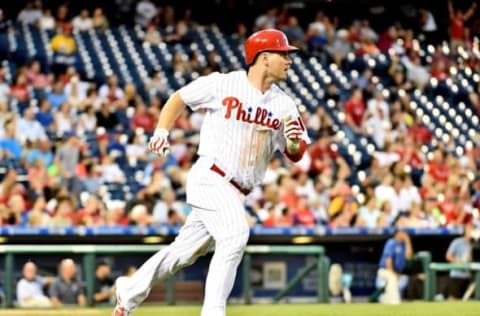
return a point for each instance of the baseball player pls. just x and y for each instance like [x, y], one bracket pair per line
[247, 119]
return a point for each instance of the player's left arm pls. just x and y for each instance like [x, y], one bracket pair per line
[296, 138]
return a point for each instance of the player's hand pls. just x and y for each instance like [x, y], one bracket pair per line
[292, 129]
[158, 143]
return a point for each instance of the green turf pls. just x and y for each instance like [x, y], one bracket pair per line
[404, 309]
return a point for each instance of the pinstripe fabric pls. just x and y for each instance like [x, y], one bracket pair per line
[241, 131]
[233, 135]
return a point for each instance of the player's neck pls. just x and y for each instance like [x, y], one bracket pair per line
[259, 79]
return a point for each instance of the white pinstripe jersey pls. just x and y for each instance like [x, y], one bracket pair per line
[243, 127]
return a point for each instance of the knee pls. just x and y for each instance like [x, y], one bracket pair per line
[233, 246]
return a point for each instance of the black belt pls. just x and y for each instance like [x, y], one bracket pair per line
[217, 169]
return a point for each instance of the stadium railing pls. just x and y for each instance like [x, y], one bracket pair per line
[89, 253]
[435, 267]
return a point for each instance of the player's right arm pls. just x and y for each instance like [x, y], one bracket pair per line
[171, 111]
[197, 94]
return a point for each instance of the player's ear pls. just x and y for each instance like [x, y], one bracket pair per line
[265, 56]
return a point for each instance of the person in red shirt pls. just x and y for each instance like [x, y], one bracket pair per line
[409, 153]
[458, 32]
[322, 155]
[303, 215]
[420, 133]
[437, 168]
[355, 111]
[143, 119]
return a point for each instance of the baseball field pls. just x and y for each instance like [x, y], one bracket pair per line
[404, 309]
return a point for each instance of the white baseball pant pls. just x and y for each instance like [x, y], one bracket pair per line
[226, 227]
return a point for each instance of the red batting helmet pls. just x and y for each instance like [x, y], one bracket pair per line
[266, 40]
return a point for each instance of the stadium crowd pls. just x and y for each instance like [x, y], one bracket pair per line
[74, 151]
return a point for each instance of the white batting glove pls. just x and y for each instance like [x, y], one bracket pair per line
[158, 143]
[292, 130]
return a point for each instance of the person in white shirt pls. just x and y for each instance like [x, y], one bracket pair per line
[30, 288]
[28, 128]
[83, 21]
[144, 12]
[46, 21]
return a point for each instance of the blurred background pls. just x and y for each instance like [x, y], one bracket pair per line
[388, 92]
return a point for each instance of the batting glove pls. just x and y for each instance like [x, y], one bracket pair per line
[292, 131]
[158, 143]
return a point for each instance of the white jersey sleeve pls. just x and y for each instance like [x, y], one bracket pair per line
[201, 93]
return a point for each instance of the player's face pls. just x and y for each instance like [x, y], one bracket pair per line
[277, 65]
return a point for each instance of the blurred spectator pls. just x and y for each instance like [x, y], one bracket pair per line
[396, 252]
[19, 90]
[104, 290]
[302, 214]
[152, 35]
[63, 213]
[46, 21]
[99, 20]
[44, 114]
[42, 151]
[92, 181]
[30, 288]
[38, 215]
[144, 12]
[241, 34]
[339, 47]
[66, 159]
[107, 118]
[66, 289]
[5, 23]
[111, 91]
[139, 216]
[64, 47]
[92, 213]
[9, 143]
[267, 20]
[294, 32]
[459, 251]
[157, 86]
[355, 113]
[428, 26]
[31, 13]
[29, 128]
[143, 118]
[181, 34]
[36, 77]
[63, 120]
[458, 32]
[167, 203]
[83, 21]
[62, 20]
